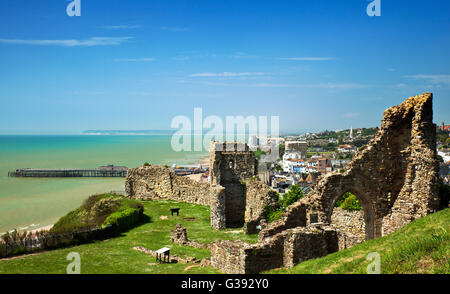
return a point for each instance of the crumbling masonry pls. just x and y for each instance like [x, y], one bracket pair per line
[395, 178]
[235, 195]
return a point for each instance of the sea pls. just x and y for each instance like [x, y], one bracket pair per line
[31, 203]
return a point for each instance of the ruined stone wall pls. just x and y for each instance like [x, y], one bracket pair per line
[217, 204]
[306, 243]
[161, 183]
[285, 249]
[395, 176]
[351, 225]
[258, 196]
[227, 256]
[230, 165]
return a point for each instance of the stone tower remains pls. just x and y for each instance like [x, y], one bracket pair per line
[230, 165]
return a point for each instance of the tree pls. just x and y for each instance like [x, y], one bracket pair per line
[348, 201]
[281, 150]
[294, 194]
[259, 153]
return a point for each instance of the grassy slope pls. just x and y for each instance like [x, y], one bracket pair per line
[421, 247]
[116, 256]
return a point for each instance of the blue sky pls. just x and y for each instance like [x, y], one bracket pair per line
[137, 64]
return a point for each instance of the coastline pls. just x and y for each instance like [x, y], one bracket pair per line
[203, 160]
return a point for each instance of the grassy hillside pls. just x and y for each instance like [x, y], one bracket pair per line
[116, 256]
[420, 247]
[96, 211]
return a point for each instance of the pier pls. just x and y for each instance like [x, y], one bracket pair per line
[108, 171]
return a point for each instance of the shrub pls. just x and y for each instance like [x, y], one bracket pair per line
[146, 164]
[94, 212]
[272, 213]
[351, 203]
[294, 194]
[125, 219]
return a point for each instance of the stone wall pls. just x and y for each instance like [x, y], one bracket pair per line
[285, 249]
[258, 196]
[395, 176]
[227, 256]
[226, 193]
[161, 183]
[350, 224]
[230, 165]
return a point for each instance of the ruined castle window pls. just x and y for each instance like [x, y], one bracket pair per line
[231, 164]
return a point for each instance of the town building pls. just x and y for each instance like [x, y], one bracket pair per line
[346, 148]
[297, 146]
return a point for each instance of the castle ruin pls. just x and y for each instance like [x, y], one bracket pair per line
[234, 193]
[395, 178]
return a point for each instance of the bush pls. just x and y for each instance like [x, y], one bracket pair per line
[125, 219]
[94, 212]
[351, 203]
[146, 164]
[273, 213]
[294, 194]
[259, 153]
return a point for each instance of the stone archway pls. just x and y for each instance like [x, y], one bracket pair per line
[395, 176]
[336, 187]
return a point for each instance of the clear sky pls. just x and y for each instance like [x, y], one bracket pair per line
[129, 64]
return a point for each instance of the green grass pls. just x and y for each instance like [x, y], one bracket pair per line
[420, 247]
[116, 256]
[90, 214]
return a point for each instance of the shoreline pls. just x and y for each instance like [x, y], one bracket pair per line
[204, 161]
[40, 229]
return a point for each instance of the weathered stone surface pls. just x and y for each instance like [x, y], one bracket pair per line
[161, 183]
[395, 176]
[230, 165]
[231, 201]
[217, 202]
[258, 196]
[284, 249]
[179, 236]
[351, 226]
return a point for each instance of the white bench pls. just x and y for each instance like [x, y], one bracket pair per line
[162, 253]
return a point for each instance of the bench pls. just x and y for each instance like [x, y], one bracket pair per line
[175, 210]
[161, 255]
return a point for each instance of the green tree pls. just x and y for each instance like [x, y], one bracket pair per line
[259, 153]
[281, 150]
[294, 194]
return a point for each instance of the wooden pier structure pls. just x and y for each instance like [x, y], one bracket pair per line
[109, 171]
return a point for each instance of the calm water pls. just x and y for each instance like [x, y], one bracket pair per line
[33, 203]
